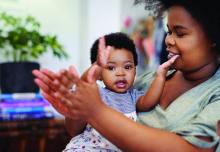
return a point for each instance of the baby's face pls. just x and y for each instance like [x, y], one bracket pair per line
[119, 74]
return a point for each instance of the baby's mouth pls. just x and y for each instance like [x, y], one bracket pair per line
[121, 83]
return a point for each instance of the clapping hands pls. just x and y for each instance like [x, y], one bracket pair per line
[56, 87]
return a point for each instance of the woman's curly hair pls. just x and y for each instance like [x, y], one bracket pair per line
[206, 13]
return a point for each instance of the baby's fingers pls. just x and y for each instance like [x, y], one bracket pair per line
[163, 68]
[93, 74]
[73, 72]
[103, 53]
[173, 59]
[168, 63]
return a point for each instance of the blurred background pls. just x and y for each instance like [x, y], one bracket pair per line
[77, 23]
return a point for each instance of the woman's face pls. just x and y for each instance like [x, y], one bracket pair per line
[120, 71]
[187, 39]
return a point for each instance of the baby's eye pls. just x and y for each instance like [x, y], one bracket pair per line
[110, 68]
[128, 67]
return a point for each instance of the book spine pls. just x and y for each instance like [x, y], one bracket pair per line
[23, 104]
[14, 110]
[20, 96]
[11, 117]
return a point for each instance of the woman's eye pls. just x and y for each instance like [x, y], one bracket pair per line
[180, 34]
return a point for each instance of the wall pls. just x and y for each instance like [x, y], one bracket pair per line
[99, 18]
[58, 17]
[77, 23]
[102, 17]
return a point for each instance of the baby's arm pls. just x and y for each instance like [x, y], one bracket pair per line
[152, 96]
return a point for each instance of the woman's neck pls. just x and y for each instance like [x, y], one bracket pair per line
[202, 74]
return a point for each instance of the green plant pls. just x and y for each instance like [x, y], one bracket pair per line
[21, 39]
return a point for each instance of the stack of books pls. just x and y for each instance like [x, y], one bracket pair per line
[25, 106]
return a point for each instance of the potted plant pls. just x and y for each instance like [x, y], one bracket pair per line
[21, 44]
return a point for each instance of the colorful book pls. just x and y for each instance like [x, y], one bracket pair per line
[20, 96]
[24, 116]
[15, 110]
[25, 106]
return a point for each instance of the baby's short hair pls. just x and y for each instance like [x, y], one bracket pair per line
[117, 40]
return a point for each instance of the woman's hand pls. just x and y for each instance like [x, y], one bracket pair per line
[85, 100]
[56, 87]
[78, 104]
[52, 84]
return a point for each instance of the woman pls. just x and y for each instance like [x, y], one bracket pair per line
[186, 117]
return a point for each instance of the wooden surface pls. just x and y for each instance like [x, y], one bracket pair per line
[43, 135]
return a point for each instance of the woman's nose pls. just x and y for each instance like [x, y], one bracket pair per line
[170, 40]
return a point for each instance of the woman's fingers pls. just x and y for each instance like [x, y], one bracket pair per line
[56, 91]
[49, 73]
[42, 85]
[73, 104]
[44, 79]
[63, 99]
[58, 101]
[87, 99]
[68, 77]
[40, 75]
[64, 78]
[59, 106]
[68, 105]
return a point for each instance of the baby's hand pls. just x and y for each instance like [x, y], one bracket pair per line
[163, 68]
[103, 53]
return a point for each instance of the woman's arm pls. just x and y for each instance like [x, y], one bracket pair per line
[74, 127]
[121, 131]
[131, 136]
